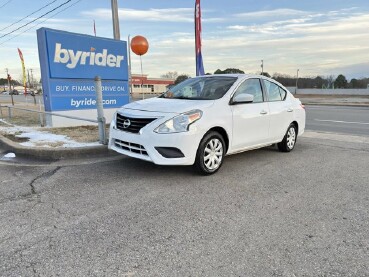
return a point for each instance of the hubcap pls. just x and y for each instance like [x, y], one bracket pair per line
[213, 154]
[291, 138]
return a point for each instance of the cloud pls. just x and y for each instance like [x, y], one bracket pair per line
[270, 13]
[171, 15]
[314, 42]
[154, 15]
[286, 39]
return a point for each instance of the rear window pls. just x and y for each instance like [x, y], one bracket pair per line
[274, 92]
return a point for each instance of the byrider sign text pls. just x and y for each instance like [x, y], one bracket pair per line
[72, 58]
[69, 63]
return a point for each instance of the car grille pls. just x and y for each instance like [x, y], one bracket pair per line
[129, 146]
[135, 124]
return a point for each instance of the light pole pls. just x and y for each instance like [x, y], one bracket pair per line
[262, 67]
[32, 82]
[114, 12]
[29, 79]
[297, 78]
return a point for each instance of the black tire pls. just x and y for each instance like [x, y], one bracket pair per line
[204, 166]
[289, 141]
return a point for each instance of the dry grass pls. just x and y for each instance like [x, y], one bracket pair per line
[21, 118]
[78, 133]
[13, 137]
[83, 134]
[30, 119]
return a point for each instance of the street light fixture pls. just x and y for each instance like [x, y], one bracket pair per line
[262, 67]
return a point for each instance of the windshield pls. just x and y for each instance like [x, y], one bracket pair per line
[201, 88]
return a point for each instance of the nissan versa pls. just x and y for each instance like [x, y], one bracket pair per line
[202, 119]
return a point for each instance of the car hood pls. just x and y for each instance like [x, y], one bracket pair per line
[165, 105]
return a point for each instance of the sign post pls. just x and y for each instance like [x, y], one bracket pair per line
[100, 110]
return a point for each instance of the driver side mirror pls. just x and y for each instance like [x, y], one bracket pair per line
[242, 99]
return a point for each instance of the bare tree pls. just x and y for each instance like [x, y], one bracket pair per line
[170, 75]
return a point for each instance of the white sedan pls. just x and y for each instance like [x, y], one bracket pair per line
[202, 119]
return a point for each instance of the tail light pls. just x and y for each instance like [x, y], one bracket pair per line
[302, 106]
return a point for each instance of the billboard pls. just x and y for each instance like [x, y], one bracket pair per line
[69, 62]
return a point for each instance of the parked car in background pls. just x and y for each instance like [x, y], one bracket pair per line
[14, 92]
[202, 119]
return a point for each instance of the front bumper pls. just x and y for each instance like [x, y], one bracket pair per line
[142, 145]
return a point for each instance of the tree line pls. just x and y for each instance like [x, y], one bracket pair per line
[4, 82]
[319, 82]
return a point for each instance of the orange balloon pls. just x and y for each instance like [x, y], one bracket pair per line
[139, 45]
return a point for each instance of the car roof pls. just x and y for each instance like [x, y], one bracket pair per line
[242, 76]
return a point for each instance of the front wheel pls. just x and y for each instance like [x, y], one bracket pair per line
[210, 154]
[289, 140]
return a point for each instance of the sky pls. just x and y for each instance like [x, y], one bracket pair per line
[325, 37]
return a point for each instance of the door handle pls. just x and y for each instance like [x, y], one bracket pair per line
[263, 112]
[290, 110]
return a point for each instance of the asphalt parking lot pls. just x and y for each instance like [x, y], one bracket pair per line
[265, 213]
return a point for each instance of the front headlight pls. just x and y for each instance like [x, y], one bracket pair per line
[179, 123]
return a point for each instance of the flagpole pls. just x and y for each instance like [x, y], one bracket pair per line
[195, 25]
[94, 28]
[130, 65]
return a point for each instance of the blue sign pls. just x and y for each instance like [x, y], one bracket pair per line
[80, 94]
[69, 63]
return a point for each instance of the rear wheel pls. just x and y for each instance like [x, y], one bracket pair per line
[289, 140]
[210, 154]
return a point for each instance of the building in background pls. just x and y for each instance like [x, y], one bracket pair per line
[149, 85]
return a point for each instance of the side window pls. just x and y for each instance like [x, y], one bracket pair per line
[275, 93]
[253, 87]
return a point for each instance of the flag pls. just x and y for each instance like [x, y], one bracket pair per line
[94, 28]
[199, 64]
[23, 70]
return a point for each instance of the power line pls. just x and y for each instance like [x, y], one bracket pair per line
[28, 15]
[24, 25]
[6, 3]
[17, 35]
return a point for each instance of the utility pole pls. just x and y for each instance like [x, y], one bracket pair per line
[114, 12]
[7, 77]
[262, 67]
[297, 78]
[9, 88]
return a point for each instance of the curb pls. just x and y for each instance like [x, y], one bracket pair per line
[56, 153]
[335, 104]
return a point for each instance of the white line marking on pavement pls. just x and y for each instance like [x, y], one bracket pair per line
[337, 137]
[338, 121]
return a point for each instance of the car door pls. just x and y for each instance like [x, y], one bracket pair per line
[250, 120]
[281, 112]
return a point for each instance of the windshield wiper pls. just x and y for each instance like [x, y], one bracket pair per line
[189, 98]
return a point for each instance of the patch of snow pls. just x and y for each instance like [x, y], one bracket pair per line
[6, 123]
[43, 138]
[9, 155]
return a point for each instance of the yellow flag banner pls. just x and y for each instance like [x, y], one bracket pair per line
[24, 71]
